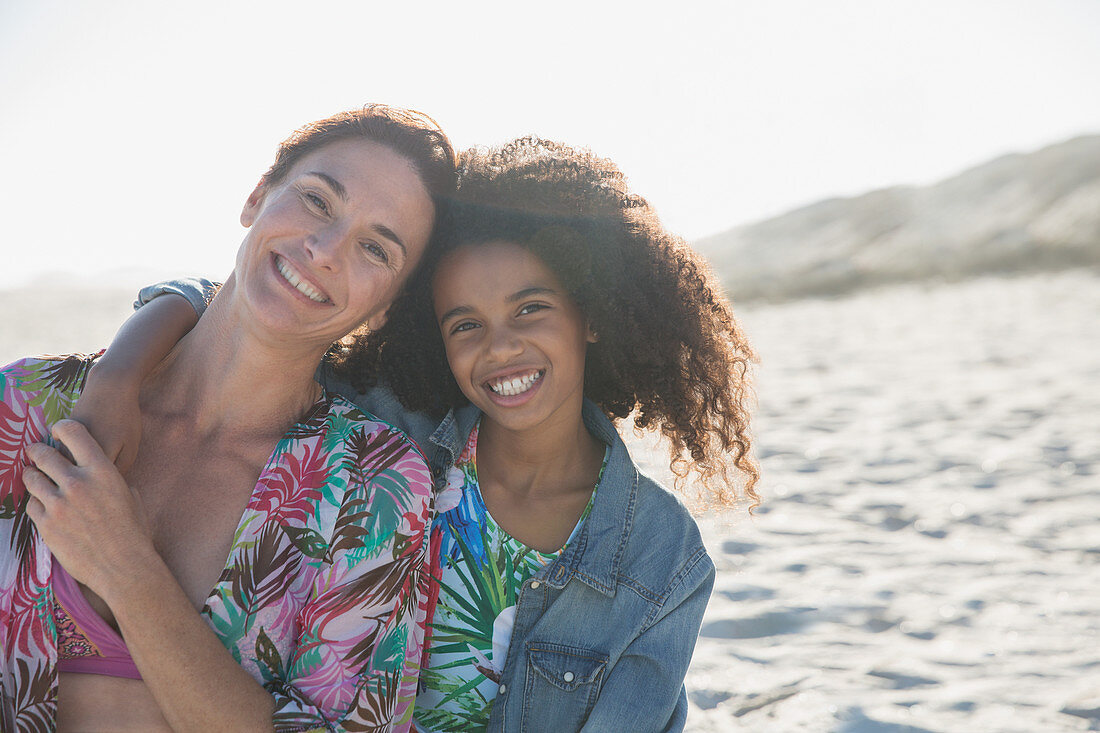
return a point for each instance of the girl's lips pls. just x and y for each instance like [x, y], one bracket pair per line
[514, 383]
[515, 388]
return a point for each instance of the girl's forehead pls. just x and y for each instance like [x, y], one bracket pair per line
[498, 260]
[492, 271]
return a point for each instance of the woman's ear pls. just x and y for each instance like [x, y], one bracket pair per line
[376, 321]
[590, 334]
[252, 204]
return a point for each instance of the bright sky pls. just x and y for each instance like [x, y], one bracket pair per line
[132, 131]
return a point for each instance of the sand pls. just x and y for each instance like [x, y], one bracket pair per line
[927, 556]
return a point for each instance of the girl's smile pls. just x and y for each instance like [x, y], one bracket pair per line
[515, 339]
[513, 386]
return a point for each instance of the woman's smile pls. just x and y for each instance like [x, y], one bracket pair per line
[298, 281]
[339, 235]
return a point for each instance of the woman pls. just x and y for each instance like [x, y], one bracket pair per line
[568, 587]
[258, 564]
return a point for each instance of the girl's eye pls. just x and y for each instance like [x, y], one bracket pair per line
[463, 326]
[376, 250]
[532, 308]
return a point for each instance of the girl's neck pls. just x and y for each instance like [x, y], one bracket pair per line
[554, 459]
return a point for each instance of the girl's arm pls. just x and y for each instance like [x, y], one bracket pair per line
[645, 689]
[108, 406]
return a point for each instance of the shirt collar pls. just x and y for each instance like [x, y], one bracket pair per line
[596, 553]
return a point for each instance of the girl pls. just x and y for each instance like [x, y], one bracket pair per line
[568, 588]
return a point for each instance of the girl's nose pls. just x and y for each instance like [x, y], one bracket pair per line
[504, 343]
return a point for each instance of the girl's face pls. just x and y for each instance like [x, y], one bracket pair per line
[515, 340]
[330, 245]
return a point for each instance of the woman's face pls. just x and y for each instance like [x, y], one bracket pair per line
[330, 245]
[515, 339]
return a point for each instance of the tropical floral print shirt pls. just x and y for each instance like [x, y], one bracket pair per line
[319, 597]
[480, 571]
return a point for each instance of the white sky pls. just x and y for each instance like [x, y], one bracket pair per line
[131, 131]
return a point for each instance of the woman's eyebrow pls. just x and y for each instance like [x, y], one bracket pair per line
[391, 235]
[339, 190]
[335, 185]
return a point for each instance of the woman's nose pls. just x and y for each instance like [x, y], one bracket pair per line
[323, 247]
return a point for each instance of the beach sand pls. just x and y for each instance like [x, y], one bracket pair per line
[926, 557]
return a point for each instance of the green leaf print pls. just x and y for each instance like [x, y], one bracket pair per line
[307, 660]
[470, 616]
[473, 713]
[308, 541]
[271, 663]
[389, 651]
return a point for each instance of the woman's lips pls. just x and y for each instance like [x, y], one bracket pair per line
[298, 281]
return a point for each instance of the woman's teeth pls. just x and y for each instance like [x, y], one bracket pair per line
[515, 385]
[301, 285]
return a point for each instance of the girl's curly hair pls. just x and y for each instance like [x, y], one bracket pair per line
[669, 351]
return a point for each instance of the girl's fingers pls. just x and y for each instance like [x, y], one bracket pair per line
[74, 436]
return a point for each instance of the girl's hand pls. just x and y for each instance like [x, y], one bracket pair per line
[89, 517]
[108, 407]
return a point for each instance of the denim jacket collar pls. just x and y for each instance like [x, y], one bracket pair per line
[595, 555]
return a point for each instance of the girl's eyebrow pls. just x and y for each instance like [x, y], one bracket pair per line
[529, 291]
[454, 312]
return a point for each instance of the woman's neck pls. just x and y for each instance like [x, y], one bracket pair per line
[223, 376]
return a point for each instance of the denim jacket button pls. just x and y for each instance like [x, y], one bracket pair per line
[568, 676]
[503, 689]
[535, 584]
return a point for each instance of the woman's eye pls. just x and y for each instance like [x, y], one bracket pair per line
[464, 326]
[316, 201]
[376, 250]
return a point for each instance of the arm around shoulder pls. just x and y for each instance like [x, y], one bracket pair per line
[108, 405]
[198, 291]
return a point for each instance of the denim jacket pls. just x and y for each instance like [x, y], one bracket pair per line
[604, 634]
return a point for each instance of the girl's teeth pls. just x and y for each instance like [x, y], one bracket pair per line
[301, 285]
[516, 385]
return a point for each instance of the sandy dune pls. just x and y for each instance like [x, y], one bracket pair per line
[928, 556]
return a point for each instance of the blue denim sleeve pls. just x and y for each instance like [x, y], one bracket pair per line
[198, 291]
[645, 689]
